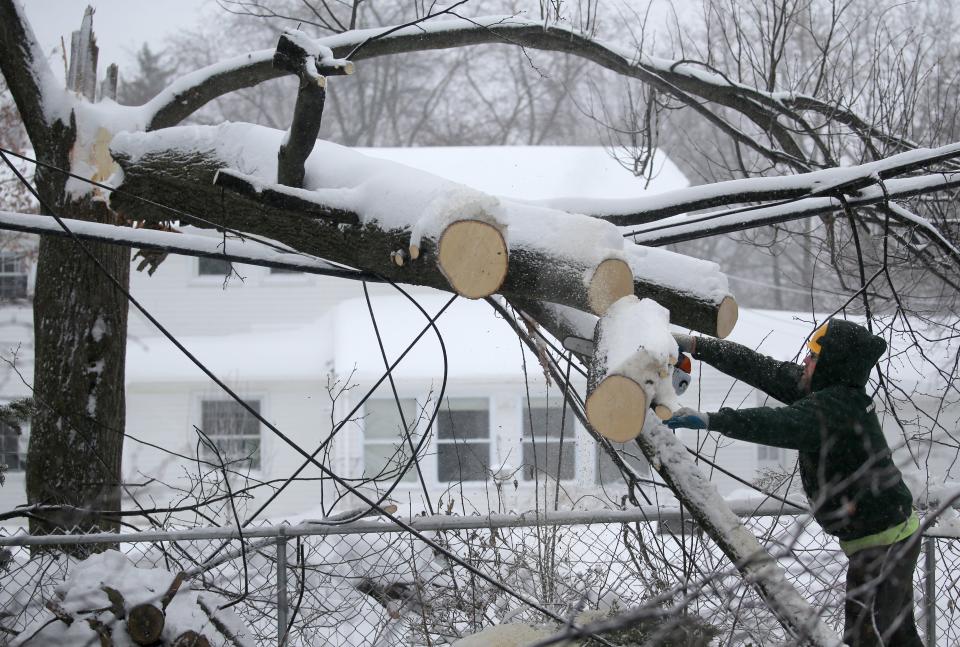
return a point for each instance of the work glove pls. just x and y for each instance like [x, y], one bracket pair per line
[687, 418]
[687, 343]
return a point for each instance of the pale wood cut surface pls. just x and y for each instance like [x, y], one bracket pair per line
[473, 257]
[611, 281]
[617, 408]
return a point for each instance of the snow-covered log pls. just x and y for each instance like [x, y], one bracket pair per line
[632, 367]
[552, 256]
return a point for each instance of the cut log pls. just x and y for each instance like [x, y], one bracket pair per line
[472, 254]
[712, 316]
[727, 314]
[190, 638]
[631, 369]
[145, 624]
[663, 411]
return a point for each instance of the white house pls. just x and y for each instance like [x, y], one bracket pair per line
[302, 350]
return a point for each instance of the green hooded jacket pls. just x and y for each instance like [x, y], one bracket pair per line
[845, 463]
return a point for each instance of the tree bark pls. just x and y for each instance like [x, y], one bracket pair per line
[80, 324]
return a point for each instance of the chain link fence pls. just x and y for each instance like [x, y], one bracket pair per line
[368, 583]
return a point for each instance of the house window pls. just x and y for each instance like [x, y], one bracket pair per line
[12, 452]
[212, 266]
[767, 454]
[233, 430]
[463, 440]
[13, 276]
[543, 451]
[607, 470]
[385, 446]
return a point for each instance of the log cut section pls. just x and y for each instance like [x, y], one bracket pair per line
[632, 367]
[611, 280]
[473, 256]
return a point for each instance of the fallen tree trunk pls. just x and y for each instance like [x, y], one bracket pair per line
[551, 256]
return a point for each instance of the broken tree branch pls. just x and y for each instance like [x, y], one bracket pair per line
[298, 54]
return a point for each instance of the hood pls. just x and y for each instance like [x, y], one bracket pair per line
[848, 354]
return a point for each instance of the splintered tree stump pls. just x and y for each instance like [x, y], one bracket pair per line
[145, 624]
[617, 408]
[190, 638]
[611, 280]
[473, 257]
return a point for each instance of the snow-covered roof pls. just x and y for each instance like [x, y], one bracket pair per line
[536, 172]
[271, 354]
[479, 346]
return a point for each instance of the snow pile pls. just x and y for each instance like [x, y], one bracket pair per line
[82, 603]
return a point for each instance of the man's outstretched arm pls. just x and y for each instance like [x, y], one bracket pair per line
[777, 379]
[794, 427]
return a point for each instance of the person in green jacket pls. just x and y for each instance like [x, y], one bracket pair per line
[856, 493]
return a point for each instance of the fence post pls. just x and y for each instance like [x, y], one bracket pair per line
[282, 586]
[930, 590]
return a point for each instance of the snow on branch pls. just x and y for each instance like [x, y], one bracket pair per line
[697, 493]
[298, 54]
[547, 254]
[850, 181]
[681, 228]
[687, 82]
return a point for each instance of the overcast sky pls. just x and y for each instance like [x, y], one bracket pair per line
[121, 26]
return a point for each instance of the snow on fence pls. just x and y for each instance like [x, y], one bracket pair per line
[368, 583]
